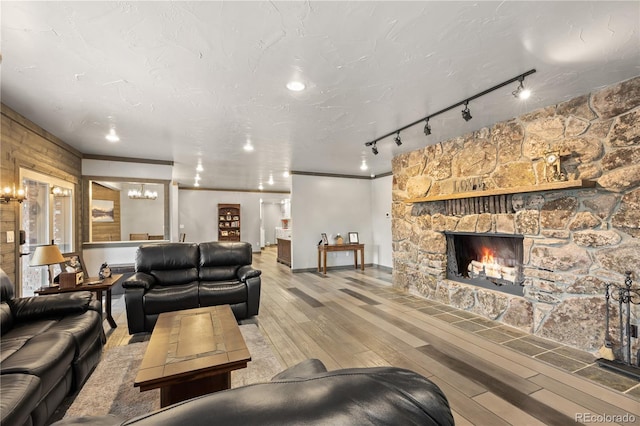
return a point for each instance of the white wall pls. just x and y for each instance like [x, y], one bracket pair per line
[198, 214]
[271, 215]
[331, 205]
[381, 201]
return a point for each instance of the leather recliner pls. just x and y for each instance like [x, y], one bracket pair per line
[49, 347]
[176, 276]
[307, 394]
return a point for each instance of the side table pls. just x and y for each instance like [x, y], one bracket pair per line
[95, 285]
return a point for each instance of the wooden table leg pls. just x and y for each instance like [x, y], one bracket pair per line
[362, 258]
[319, 260]
[355, 258]
[324, 256]
[107, 307]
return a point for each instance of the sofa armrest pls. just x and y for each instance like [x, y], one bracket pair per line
[30, 308]
[139, 280]
[245, 272]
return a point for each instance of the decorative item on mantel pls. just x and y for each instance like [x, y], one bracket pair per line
[625, 296]
[339, 239]
[552, 170]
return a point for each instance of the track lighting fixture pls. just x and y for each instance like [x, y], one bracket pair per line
[466, 114]
[427, 127]
[521, 92]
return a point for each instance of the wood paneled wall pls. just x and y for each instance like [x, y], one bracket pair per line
[24, 144]
[106, 231]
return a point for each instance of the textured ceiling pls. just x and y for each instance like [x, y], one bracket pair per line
[184, 81]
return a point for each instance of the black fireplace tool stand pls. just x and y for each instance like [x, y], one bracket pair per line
[625, 296]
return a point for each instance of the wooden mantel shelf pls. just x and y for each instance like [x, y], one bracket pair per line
[568, 184]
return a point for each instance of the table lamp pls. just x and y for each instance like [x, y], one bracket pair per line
[47, 255]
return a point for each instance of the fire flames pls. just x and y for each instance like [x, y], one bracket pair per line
[487, 256]
[489, 267]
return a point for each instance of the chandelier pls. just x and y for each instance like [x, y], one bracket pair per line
[142, 194]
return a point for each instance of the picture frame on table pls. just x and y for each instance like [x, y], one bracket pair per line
[73, 262]
[353, 238]
[325, 240]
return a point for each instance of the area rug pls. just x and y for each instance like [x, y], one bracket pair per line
[110, 388]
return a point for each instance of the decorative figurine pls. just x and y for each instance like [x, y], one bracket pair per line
[552, 171]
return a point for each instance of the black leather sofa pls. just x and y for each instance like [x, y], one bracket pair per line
[176, 276]
[49, 346]
[307, 394]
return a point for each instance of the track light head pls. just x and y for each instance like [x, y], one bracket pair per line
[397, 139]
[466, 114]
[374, 149]
[521, 92]
[427, 128]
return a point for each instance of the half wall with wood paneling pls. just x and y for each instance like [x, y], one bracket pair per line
[24, 144]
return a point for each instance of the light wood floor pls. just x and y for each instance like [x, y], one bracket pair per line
[491, 374]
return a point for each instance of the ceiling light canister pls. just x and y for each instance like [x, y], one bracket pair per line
[112, 136]
[397, 139]
[296, 86]
[466, 114]
[427, 127]
[248, 147]
[374, 149]
[364, 166]
[521, 92]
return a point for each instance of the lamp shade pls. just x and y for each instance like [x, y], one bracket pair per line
[46, 255]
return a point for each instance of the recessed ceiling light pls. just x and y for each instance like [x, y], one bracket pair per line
[199, 167]
[260, 187]
[364, 166]
[296, 86]
[112, 136]
[270, 181]
[196, 183]
[286, 173]
[248, 147]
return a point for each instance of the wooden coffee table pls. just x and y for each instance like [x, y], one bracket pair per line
[192, 353]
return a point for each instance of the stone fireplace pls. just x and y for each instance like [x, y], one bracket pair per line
[492, 261]
[574, 239]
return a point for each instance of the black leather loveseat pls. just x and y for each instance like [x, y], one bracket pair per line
[307, 394]
[176, 276]
[49, 346]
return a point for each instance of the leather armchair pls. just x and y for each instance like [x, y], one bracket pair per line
[307, 394]
[176, 276]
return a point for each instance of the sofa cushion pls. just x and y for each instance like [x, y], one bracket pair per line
[29, 329]
[51, 306]
[83, 329]
[219, 273]
[6, 318]
[10, 346]
[175, 277]
[7, 291]
[20, 396]
[47, 356]
[222, 293]
[166, 257]
[171, 298]
[225, 254]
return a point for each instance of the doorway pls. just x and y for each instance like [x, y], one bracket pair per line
[46, 215]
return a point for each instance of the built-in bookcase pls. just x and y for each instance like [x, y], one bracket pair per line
[228, 222]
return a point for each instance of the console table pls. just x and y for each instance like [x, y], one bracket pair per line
[323, 249]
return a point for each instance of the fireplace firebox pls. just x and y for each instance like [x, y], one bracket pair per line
[492, 261]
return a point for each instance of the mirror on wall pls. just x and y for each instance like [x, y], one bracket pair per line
[121, 209]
